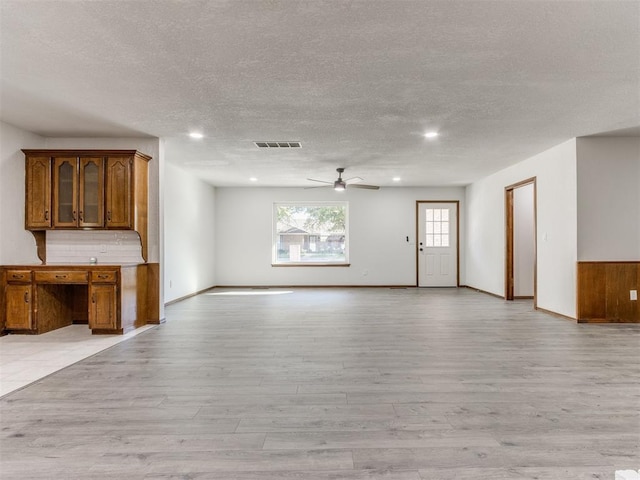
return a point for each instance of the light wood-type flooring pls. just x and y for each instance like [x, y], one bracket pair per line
[351, 384]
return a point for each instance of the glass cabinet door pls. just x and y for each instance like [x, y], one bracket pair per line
[91, 192]
[65, 192]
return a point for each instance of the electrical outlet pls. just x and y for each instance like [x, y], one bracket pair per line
[103, 249]
[633, 294]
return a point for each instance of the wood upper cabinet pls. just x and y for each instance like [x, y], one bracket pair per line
[119, 193]
[38, 192]
[91, 194]
[78, 192]
[65, 192]
[101, 189]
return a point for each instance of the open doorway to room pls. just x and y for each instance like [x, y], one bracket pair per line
[521, 248]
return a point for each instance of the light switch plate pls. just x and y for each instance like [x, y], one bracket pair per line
[633, 294]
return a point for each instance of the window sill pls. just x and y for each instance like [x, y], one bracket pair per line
[311, 264]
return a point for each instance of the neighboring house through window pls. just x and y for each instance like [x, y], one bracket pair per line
[310, 233]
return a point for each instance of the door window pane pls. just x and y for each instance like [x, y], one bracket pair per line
[437, 227]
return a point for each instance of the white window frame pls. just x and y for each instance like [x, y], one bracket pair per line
[274, 239]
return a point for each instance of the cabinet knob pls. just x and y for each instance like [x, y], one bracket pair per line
[93, 298]
[26, 297]
[46, 215]
[81, 216]
[74, 215]
[108, 215]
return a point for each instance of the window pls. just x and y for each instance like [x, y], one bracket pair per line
[437, 227]
[310, 233]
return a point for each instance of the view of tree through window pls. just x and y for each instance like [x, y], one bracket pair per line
[310, 233]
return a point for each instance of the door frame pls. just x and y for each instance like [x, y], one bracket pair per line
[457, 202]
[509, 250]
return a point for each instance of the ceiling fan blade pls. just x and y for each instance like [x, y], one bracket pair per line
[360, 185]
[351, 180]
[321, 181]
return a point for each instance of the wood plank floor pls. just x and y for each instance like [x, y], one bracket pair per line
[352, 384]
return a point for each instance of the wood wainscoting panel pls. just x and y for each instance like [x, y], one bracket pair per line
[153, 294]
[621, 278]
[604, 292]
[591, 291]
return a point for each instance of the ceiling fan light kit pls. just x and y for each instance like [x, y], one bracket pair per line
[340, 185]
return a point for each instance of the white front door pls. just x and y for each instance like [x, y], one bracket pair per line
[437, 244]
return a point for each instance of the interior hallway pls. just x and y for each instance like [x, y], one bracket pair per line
[338, 384]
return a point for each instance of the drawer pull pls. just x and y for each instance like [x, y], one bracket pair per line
[46, 215]
[103, 276]
[81, 216]
[108, 215]
[74, 215]
[15, 275]
[26, 297]
[61, 276]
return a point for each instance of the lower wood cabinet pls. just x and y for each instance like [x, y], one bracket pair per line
[18, 306]
[111, 299]
[103, 307]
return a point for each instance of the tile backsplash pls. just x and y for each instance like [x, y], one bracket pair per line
[107, 246]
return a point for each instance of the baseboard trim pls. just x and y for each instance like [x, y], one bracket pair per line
[187, 296]
[523, 297]
[264, 287]
[556, 314]
[595, 321]
[479, 290]
[157, 322]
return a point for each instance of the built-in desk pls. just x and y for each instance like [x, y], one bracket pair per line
[40, 298]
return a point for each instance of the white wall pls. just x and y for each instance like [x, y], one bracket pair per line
[379, 222]
[555, 170]
[189, 239]
[106, 246]
[17, 245]
[523, 241]
[608, 198]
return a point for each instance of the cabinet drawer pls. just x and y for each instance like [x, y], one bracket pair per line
[61, 276]
[107, 276]
[19, 276]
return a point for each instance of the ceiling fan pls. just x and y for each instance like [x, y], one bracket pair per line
[340, 184]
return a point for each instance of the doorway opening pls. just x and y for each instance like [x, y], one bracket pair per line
[437, 245]
[521, 276]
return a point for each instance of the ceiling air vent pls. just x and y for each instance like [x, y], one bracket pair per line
[278, 144]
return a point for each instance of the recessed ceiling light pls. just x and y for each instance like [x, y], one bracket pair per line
[196, 135]
[396, 179]
[253, 179]
[431, 134]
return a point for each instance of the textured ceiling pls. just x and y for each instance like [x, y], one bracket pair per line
[357, 82]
